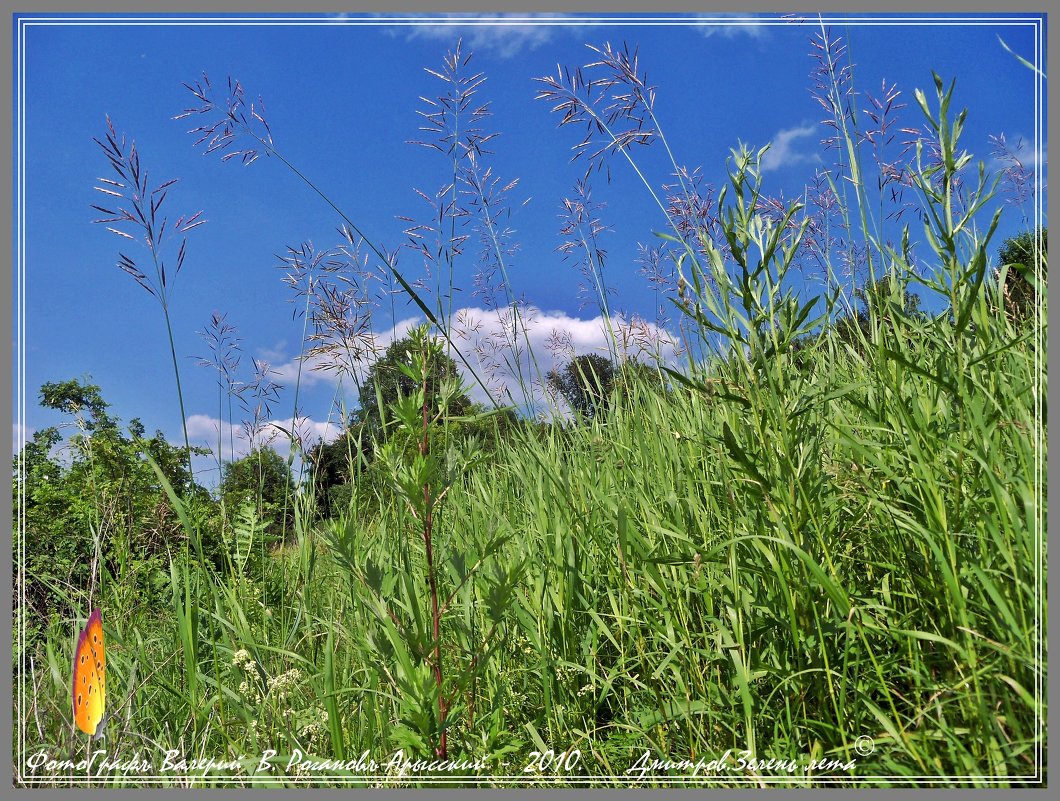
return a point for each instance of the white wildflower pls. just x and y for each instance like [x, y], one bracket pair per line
[282, 686]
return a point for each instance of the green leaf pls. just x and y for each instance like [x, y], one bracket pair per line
[1020, 58]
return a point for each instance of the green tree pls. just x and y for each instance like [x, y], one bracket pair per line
[1023, 253]
[876, 299]
[585, 382]
[388, 379]
[93, 506]
[262, 480]
[339, 464]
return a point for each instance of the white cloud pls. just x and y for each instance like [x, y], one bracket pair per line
[505, 35]
[287, 372]
[783, 152]
[730, 25]
[1014, 152]
[484, 337]
[20, 435]
[235, 440]
[235, 444]
[204, 430]
[273, 354]
[306, 429]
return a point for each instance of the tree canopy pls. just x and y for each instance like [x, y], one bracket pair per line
[387, 381]
[94, 501]
[337, 463]
[1023, 253]
[585, 383]
[262, 479]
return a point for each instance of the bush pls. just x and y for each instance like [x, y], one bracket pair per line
[261, 480]
[94, 507]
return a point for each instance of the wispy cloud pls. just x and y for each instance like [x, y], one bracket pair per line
[235, 444]
[1015, 152]
[505, 35]
[784, 151]
[730, 25]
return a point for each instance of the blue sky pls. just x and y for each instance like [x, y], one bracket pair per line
[341, 101]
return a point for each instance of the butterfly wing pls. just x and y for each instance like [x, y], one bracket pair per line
[90, 665]
[95, 636]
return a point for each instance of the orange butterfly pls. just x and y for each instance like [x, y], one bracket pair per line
[90, 669]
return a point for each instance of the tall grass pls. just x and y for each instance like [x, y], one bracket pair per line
[805, 546]
[141, 214]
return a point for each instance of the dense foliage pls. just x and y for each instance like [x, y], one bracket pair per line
[586, 383]
[93, 506]
[1026, 256]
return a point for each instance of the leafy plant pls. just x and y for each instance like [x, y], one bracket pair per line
[414, 623]
[93, 509]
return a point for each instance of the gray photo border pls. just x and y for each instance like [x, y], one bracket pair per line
[234, 7]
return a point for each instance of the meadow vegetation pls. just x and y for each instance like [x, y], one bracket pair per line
[824, 521]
